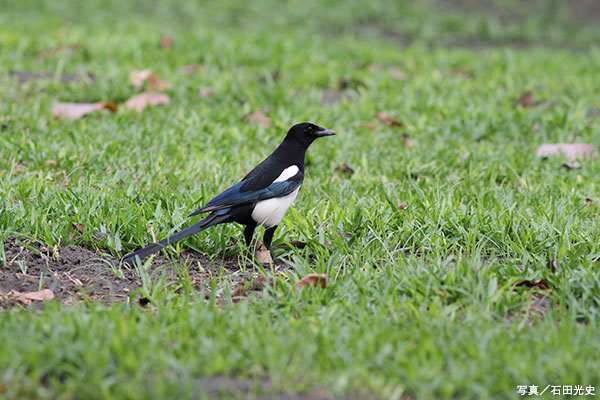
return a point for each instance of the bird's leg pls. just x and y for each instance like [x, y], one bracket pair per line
[248, 233]
[268, 238]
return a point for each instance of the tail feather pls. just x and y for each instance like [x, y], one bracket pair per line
[211, 220]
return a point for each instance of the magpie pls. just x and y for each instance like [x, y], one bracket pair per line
[261, 198]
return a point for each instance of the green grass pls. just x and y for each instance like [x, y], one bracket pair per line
[421, 302]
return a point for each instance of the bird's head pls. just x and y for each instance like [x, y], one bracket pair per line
[306, 133]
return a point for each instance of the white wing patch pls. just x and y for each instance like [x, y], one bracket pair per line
[287, 173]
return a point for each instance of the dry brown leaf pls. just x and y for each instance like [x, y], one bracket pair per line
[344, 169]
[526, 100]
[263, 255]
[28, 297]
[461, 71]
[138, 78]
[166, 42]
[370, 125]
[386, 118]
[257, 284]
[207, 91]
[259, 118]
[80, 227]
[571, 151]
[143, 100]
[78, 110]
[190, 69]
[238, 293]
[398, 75]
[314, 280]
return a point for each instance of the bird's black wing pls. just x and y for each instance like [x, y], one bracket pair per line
[236, 195]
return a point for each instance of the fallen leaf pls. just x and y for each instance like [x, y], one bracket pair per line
[80, 227]
[190, 69]
[370, 125]
[259, 118]
[238, 293]
[143, 100]
[137, 78]
[344, 169]
[166, 42]
[314, 280]
[263, 255]
[28, 297]
[402, 206]
[526, 100]
[386, 118]
[571, 151]
[207, 91]
[571, 165]
[398, 75]
[241, 290]
[538, 283]
[78, 110]
[461, 71]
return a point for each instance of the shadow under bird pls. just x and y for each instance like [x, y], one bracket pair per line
[261, 198]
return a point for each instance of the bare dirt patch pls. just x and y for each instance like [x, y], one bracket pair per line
[74, 273]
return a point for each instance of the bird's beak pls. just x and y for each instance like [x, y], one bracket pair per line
[325, 132]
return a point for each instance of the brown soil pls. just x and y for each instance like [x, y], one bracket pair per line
[75, 273]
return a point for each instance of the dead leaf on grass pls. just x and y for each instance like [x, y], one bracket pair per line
[28, 297]
[207, 91]
[263, 255]
[526, 100]
[259, 118]
[78, 110]
[166, 42]
[571, 151]
[386, 118]
[314, 280]
[398, 75]
[80, 227]
[370, 125]
[242, 289]
[143, 100]
[190, 69]
[138, 78]
[344, 169]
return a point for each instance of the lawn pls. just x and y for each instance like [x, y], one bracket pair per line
[459, 264]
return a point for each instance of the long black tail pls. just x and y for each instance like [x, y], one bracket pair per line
[211, 220]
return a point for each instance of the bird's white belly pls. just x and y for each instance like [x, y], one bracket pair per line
[270, 212]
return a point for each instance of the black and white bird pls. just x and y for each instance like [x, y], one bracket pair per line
[261, 198]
